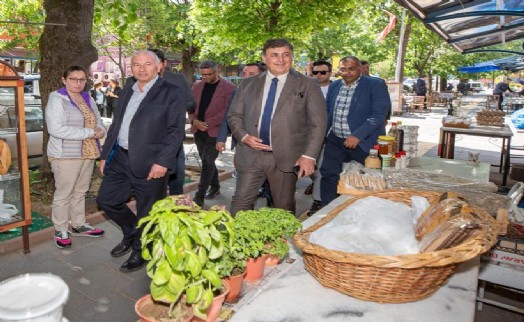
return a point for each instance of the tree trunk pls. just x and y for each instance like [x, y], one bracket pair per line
[188, 66]
[64, 46]
[407, 32]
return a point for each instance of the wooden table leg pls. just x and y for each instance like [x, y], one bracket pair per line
[25, 239]
[506, 163]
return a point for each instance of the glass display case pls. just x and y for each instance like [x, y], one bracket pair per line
[15, 202]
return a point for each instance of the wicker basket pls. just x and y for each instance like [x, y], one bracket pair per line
[389, 279]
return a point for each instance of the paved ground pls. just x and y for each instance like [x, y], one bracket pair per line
[99, 292]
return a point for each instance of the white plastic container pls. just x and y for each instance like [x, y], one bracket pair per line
[33, 298]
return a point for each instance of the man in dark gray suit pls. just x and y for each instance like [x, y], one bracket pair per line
[141, 147]
[279, 120]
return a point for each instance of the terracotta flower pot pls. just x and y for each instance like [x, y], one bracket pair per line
[235, 287]
[150, 311]
[272, 260]
[213, 311]
[255, 269]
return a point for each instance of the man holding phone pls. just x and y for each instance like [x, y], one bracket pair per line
[279, 119]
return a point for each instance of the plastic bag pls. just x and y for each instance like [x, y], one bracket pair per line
[517, 118]
[370, 226]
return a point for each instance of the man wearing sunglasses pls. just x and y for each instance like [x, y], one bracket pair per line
[322, 72]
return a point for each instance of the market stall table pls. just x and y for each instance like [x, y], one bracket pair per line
[447, 142]
[511, 102]
[459, 168]
[295, 295]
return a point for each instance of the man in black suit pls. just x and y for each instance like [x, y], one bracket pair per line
[176, 179]
[141, 147]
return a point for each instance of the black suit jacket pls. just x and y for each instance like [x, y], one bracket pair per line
[156, 131]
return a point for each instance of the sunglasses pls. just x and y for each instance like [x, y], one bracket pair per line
[321, 72]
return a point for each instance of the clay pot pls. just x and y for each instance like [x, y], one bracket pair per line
[272, 260]
[255, 269]
[213, 311]
[151, 311]
[235, 287]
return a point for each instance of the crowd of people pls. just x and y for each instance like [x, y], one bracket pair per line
[284, 124]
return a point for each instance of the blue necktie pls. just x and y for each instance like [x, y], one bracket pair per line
[265, 124]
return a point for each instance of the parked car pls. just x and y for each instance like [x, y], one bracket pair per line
[408, 85]
[476, 87]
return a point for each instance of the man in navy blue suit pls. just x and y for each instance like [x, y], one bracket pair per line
[357, 106]
[140, 149]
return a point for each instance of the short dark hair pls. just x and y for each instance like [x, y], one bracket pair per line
[71, 69]
[276, 43]
[159, 53]
[321, 62]
[208, 64]
[261, 66]
[353, 58]
[364, 62]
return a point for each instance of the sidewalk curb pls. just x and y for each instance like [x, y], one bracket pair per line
[16, 244]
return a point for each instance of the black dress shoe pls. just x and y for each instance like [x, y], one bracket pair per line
[316, 206]
[122, 248]
[134, 262]
[199, 200]
[309, 189]
[270, 203]
[212, 193]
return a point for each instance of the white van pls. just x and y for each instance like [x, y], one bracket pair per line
[476, 87]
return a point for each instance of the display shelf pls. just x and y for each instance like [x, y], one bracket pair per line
[15, 202]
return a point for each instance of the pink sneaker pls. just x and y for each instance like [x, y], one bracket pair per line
[62, 239]
[87, 231]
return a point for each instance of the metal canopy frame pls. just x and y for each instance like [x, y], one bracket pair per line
[470, 24]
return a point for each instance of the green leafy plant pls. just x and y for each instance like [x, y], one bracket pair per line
[232, 263]
[183, 244]
[264, 231]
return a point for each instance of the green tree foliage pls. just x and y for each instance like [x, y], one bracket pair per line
[244, 25]
[171, 28]
[119, 24]
[24, 27]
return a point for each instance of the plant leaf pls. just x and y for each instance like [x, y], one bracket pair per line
[211, 217]
[204, 236]
[212, 277]
[162, 273]
[193, 264]
[216, 250]
[160, 293]
[176, 284]
[207, 298]
[194, 293]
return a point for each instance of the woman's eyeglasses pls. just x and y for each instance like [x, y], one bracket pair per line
[321, 72]
[77, 80]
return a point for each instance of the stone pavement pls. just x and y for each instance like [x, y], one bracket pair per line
[100, 292]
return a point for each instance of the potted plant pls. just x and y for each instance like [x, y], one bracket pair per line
[280, 225]
[183, 244]
[262, 232]
[232, 269]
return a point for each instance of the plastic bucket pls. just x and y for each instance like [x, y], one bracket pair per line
[33, 297]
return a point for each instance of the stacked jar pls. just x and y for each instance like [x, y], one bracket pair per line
[389, 140]
[410, 140]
